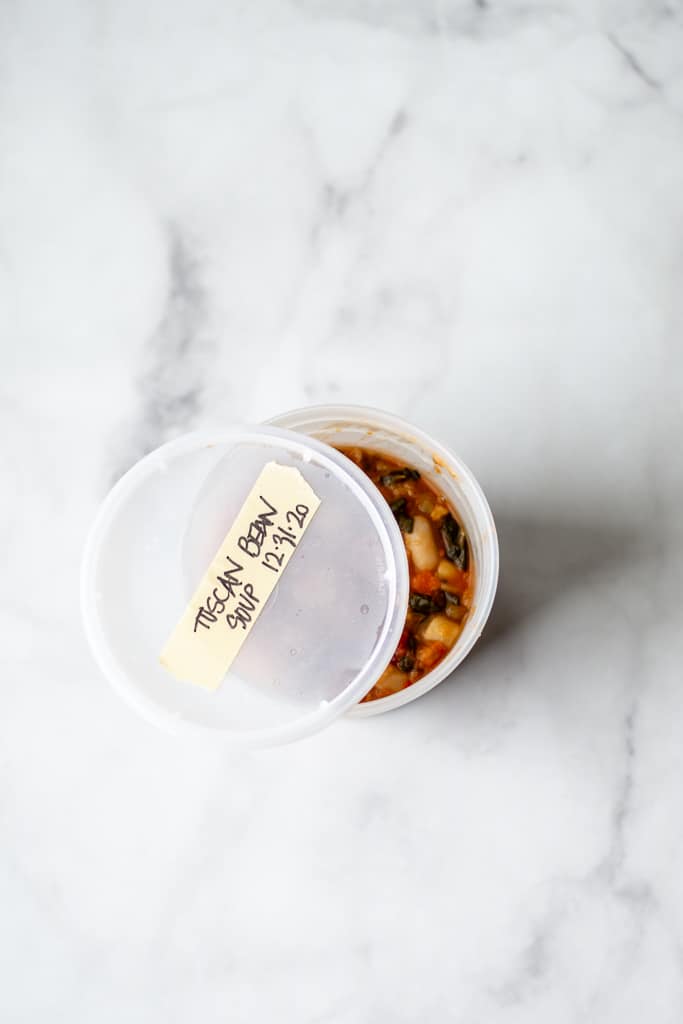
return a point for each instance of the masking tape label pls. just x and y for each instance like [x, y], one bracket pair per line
[241, 577]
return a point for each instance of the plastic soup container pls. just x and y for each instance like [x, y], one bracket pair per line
[373, 430]
[336, 614]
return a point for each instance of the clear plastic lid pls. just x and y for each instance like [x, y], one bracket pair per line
[325, 634]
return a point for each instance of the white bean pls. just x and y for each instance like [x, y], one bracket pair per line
[421, 545]
[442, 629]
[391, 681]
[447, 571]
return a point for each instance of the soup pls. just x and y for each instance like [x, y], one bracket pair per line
[441, 573]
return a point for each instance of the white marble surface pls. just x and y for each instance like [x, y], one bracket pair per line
[467, 213]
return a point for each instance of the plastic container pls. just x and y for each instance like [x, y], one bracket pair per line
[348, 425]
[336, 615]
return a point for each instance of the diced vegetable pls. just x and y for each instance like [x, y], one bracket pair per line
[413, 620]
[430, 654]
[420, 603]
[438, 512]
[404, 521]
[456, 612]
[454, 541]
[442, 629]
[421, 545]
[405, 649]
[425, 503]
[391, 681]
[425, 604]
[406, 663]
[399, 476]
[425, 582]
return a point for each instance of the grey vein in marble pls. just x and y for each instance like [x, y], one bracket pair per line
[176, 359]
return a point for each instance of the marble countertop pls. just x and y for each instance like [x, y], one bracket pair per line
[470, 214]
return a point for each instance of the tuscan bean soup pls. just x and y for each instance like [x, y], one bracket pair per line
[441, 573]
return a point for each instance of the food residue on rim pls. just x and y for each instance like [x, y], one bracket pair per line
[440, 466]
